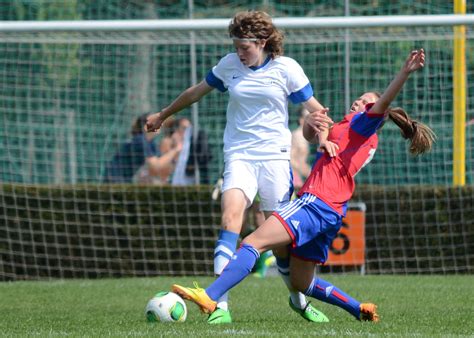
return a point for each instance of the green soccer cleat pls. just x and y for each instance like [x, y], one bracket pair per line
[220, 316]
[265, 260]
[368, 312]
[196, 295]
[310, 313]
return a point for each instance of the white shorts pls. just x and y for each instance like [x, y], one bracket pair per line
[272, 179]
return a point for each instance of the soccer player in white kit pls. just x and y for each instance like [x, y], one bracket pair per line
[257, 140]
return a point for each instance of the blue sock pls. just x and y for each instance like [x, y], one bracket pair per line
[238, 268]
[225, 248]
[326, 292]
[283, 265]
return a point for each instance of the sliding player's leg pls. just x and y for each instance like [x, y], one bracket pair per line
[303, 278]
[268, 236]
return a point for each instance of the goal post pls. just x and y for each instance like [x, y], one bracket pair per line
[69, 91]
[221, 24]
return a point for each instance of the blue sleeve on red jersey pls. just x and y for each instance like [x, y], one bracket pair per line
[366, 124]
[302, 95]
[215, 82]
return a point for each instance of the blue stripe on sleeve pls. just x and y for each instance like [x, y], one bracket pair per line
[302, 95]
[215, 82]
[366, 125]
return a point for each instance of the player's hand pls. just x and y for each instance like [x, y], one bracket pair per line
[414, 61]
[330, 147]
[319, 120]
[153, 122]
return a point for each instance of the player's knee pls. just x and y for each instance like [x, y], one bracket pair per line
[255, 242]
[249, 240]
[231, 222]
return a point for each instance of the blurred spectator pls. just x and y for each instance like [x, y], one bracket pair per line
[299, 153]
[192, 166]
[139, 160]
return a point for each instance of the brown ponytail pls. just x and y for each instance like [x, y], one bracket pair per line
[420, 135]
[257, 25]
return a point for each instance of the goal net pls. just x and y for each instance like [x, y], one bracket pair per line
[68, 98]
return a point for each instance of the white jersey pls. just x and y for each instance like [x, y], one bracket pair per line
[257, 113]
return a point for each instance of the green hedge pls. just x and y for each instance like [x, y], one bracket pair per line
[413, 229]
[106, 231]
[96, 231]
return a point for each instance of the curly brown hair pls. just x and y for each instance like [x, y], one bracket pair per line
[257, 25]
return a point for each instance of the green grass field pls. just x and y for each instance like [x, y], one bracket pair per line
[408, 305]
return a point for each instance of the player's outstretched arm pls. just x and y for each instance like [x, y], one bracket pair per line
[414, 61]
[184, 100]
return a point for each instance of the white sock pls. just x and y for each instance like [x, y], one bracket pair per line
[222, 302]
[219, 264]
[297, 298]
[225, 249]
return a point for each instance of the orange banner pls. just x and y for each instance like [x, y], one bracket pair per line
[348, 248]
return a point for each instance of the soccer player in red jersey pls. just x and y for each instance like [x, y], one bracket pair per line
[308, 224]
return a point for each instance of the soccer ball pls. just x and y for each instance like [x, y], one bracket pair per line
[166, 307]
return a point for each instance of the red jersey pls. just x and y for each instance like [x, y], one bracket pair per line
[332, 179]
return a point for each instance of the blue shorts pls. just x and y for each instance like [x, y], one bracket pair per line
[311, 224]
